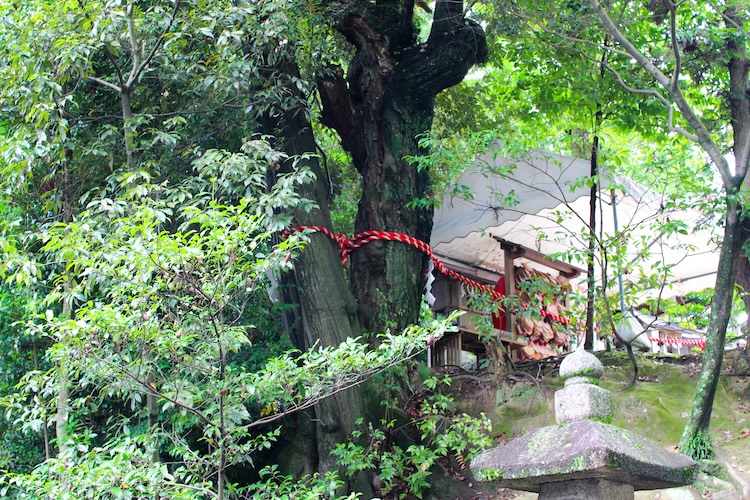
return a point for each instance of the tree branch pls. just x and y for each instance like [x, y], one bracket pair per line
[104, 83]
[370, 46]
[675, 46]
[137, 72]
[455, 45]
[151, 389]
[107, 50]
[670, 117]
[337, 388]
[339, 114]
[134, 46]
[701, 133]
[727, 19]
[670, 109]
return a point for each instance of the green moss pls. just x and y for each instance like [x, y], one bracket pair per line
[688, 474]
[490, 474]
[578, 463]
[583, 379]
[518, 416]
[713, 468]
[589, 370]
[541, 442]
[656, 409]
[604, 420]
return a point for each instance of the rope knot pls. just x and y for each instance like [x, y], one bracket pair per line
[345, 246]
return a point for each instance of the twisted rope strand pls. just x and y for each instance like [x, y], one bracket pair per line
[346, 246]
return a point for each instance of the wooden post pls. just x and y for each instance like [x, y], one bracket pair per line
[510, 253]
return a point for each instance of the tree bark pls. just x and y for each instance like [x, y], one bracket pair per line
[591, 256]
[694, 437]
[127, 128]
[152, 408]
[379, 110]
[380, 107]
[63, 395]
[61, 415]
[326, 309]
[743, 279]
[735, 235]
[697, 425]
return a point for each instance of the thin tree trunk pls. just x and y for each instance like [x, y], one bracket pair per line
[127, 127]
[61, 416]
[591, 256]
[694, 440]
[221, 482]
[152, 407]
[45, 431]
[63, 393]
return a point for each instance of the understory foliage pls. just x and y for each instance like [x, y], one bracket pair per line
[147, 319]
[404, 453]
[143, 356]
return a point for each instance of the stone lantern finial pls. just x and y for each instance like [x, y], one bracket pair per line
[582, 398]
[581, 367]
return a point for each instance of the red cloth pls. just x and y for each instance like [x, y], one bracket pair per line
[498, 320]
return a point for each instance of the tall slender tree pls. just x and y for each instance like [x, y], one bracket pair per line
[695, 65]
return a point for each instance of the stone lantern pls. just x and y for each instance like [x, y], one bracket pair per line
[583, 456]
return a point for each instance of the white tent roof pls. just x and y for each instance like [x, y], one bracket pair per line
[550, 216]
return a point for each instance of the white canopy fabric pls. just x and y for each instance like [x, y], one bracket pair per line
[549, 213]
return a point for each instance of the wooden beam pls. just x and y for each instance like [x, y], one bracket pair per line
[510, 287]
[515, 251]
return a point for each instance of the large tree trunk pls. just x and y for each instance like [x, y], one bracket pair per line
[385, 102]
[326, 309]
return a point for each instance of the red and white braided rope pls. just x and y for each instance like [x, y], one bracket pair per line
[346, 246]
[695, 342]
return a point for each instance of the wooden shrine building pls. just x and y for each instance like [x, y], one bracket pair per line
[522, 336]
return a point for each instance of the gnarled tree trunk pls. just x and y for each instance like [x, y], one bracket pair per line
[379, 109]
